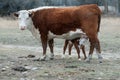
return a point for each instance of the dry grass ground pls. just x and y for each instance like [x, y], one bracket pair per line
[7, 22]
[16, 45]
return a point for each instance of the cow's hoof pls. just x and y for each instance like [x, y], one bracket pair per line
[51, 58]
[79, 59]
[43, 58]
[100, 61]
[88, 59]
[37, 59]
[70, 56]
[63, 56]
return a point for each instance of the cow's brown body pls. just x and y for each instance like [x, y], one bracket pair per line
[62, 20]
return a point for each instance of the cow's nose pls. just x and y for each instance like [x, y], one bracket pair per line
[22, 28]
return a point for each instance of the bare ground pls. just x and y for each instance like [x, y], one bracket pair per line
[16, 45]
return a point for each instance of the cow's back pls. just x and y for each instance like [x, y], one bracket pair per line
[62, 20]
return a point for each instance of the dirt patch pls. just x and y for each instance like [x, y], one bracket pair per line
[15, 68]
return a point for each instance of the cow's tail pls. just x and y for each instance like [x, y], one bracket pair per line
[99, 20]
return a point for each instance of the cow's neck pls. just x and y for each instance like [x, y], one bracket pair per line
[35, 32]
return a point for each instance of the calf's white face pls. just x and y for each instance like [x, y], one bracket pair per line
[83, 39]
[24, 19]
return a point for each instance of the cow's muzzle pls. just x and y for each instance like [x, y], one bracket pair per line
[22, 28]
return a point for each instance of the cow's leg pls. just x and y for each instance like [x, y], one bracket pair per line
[94, 43]
[70, 48]
[90, 52]
[83, 50]
[51, 45]
[64, 48]
[44, 46]
[98, 51]
[77, 49]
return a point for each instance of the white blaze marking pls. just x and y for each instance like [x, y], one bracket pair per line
[36, 33]
[26, 22]
[24, 19]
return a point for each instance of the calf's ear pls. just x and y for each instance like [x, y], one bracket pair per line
[16, 14]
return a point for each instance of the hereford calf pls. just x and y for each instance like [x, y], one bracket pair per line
[66, 23]
[79, 43]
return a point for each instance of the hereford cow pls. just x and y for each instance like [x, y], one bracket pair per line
[79, 43]
[65, 22]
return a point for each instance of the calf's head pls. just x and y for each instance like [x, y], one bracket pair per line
[24, 19]
[83, 39]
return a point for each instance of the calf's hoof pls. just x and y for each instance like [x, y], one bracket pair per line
[51, 58]
[85, 58]
[100, 59]
[88, 60]
[70, 56]
[37, 59]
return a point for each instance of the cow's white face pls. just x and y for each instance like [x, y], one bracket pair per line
[24, 19]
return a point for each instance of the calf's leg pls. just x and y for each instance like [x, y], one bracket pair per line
[70, 48]
[83, 50]
[77, 49]
[64, 48]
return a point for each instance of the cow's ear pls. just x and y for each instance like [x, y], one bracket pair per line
[31, 14]
[16, 14]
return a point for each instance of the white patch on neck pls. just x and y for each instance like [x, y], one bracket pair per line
[69, 36]
[35, 32]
